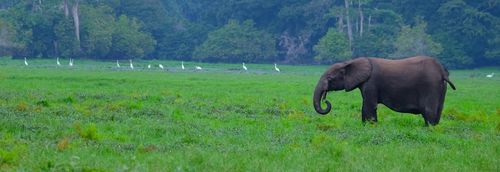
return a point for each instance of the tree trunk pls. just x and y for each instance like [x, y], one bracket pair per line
[340, 23]
[369, 22]
[356, 26]
[66, 9]
[56, 48]
[76, 20]
[295, 46]
[361, 19]
[40, 4]
[349, 28]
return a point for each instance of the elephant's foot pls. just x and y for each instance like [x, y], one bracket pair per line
[370, 120]
[430, 119]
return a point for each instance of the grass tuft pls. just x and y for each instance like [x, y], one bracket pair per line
[63, 144]
[11, 150]
[43, 103]
[88, 133]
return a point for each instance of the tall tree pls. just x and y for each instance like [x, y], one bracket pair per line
[237, 42]
[348, 19]
[128, 41]
[333, 47]
[413, 41]
[98, 27]
[76, 19]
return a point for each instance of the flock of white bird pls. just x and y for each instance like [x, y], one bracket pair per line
[71, 63]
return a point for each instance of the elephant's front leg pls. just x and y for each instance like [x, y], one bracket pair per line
[369, 109]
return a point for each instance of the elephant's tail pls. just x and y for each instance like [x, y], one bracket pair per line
[445, 77]
[449, 82]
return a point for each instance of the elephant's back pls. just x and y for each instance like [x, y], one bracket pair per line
[410, 70]
[407, 65]
[406, 61]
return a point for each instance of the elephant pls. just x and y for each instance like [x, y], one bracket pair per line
[414, 85]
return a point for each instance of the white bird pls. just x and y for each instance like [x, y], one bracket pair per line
[276, 67]
[161, 66]
[25, 61]
[131, 65]
[198, 68]
[244, 67]
[117, 63]
[58, 63]
[182, 65]
[149, 66]
[70, 62]
[490, 75]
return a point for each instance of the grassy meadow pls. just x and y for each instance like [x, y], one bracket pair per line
[96, 117]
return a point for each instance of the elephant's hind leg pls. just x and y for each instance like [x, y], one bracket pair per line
[431, 112]
[428, 119]
[432, 102]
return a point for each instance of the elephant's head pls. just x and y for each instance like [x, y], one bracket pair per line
[340, 76]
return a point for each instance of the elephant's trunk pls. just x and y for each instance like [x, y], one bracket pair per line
[320, 93]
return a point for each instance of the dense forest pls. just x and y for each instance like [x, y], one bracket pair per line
[460, 33]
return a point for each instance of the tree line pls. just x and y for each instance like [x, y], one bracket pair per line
[460, 33]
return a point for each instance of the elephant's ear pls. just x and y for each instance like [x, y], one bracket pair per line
[357, 71]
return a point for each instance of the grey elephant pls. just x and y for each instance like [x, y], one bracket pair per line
[414, 85]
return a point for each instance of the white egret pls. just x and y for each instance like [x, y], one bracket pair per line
[276, 67]
[490, 75]
[70, 62]
[25, 61]
[161, 66]
[149, 66]
[131, 65]
[244, 67]
[58, 63]
[198, 68]
[117, 63]
[182, 65]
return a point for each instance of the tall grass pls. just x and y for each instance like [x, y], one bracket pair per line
[98, 117]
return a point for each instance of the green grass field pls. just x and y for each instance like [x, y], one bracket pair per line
[93, 117]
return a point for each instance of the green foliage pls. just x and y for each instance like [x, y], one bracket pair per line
[288, 31]
[467, 33]
[493, 52]
[179, 43]
[334, 46]
[414, 41]
[46, 31]
[7, 38]
[128, 41]
[67, 45]
[237, 42]
[98, 27]
[378, 40]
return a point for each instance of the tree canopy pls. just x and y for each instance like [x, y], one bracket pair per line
[413, 41]
[237, 42]
[334, 46]
[460, 33]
